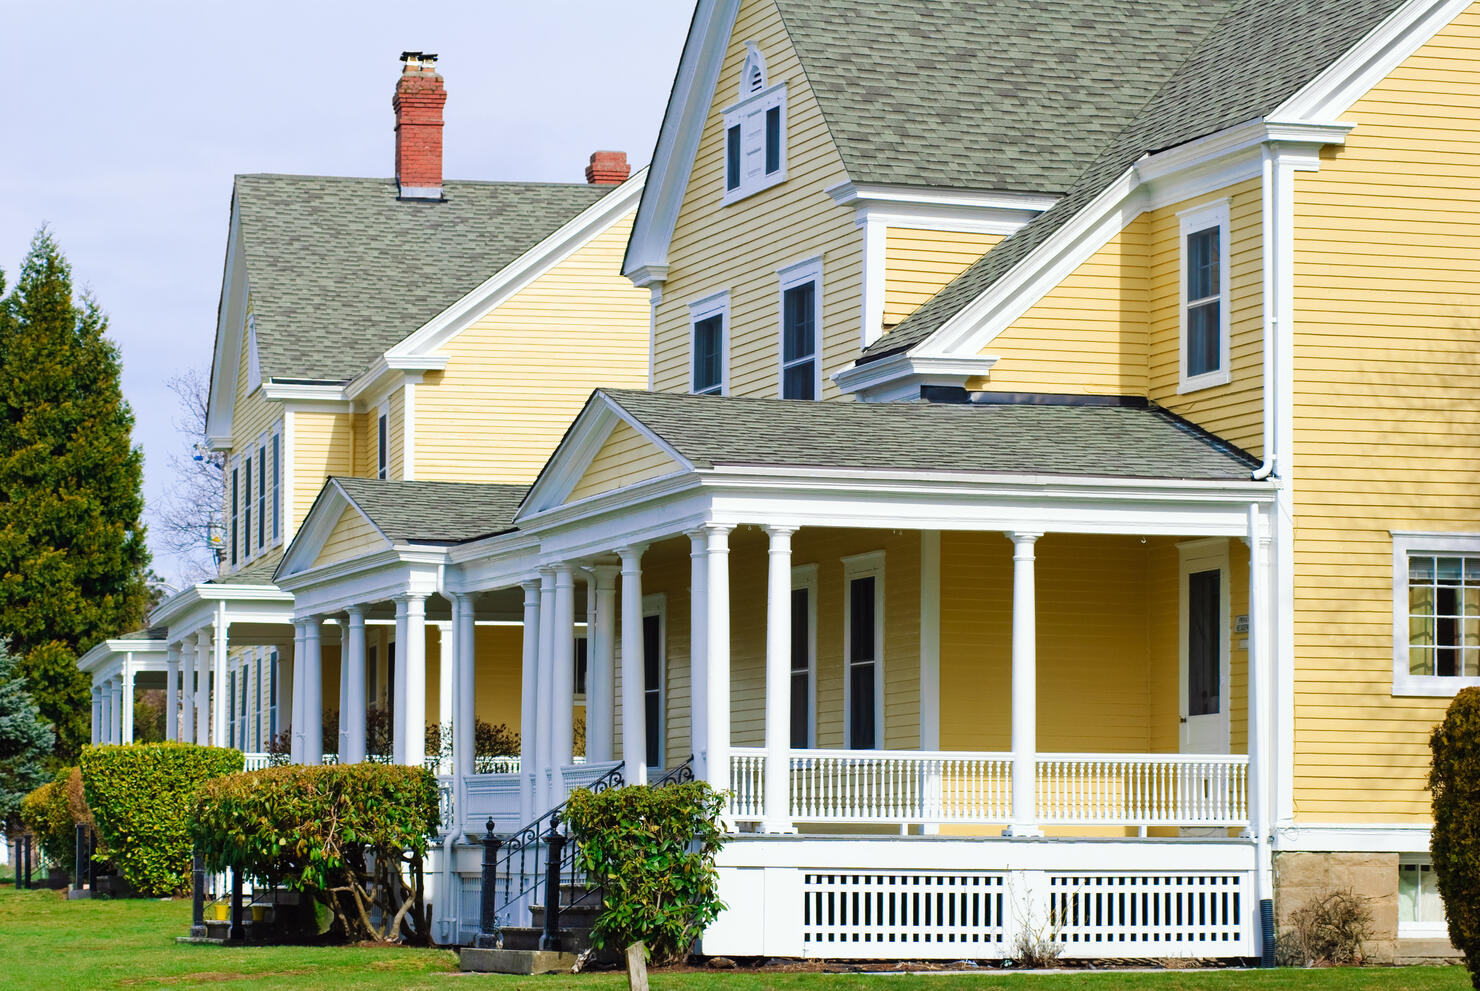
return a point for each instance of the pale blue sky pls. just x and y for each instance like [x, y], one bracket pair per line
[125, 122]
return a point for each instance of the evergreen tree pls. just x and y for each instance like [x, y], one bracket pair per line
[25, 741]
[72, 551]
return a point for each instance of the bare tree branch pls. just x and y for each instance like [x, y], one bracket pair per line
[190, 513]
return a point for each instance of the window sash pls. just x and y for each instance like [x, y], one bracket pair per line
[1443, 615]
[1204, 656]
[262, 496]
[732, 157]
[247, 509]
[708, 350]
[235, 514]
[277, 486]
[773, 140]
[862, 663]
[272, 704]
[801, 669]
[382, 452]
[652, 675]
[799, 341]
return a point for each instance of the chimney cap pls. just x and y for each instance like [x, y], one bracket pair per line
[423, 58]
[608, 168]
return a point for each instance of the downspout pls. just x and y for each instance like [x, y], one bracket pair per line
[1271, 313]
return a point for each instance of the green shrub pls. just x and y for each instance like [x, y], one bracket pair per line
[1455, 781]
[141, 796]
[652, 852]
[340, 833]
[53, 813]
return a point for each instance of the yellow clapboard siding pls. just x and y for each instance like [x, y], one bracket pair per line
[626, 458]
[1387, 267]
[322, 446]
[740, 247]
[395, 447]
[919, 263]
[518, 375]
[353, 536]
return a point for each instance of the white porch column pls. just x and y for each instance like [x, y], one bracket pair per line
[601, 653]
[188, 651]
[699, 650]
[777, 792]
[203, 652]
[464, 696]
[1260, 703]
[717, 656]
[313, 692]
[544, 774]
[220, 636]
[1024, 688]
[126, 714]
[296, 721]
[97, 713]
[634, 708]
[562, 694]
[411, 664]
[529, 703]
[115, 715]
[352, 675]
[172, 692]
[105, 711]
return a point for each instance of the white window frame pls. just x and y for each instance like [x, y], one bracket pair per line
[1194, 557]
[1405, 543]
[794, 276]
[234, 556]
[1194, 220]
[750, 102]
[248, 554]
[804, 576]
[275, 501]
[254, 368]
[383, 439]
[711, 305]
[1420, 930]
[870, 564]
[656, 604]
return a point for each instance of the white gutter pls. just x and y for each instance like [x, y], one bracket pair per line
[1271, 318]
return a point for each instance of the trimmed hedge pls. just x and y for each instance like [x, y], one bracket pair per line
[652, 852]
[142, 797]
[53, 813]
[1454, 779]
[340, 833]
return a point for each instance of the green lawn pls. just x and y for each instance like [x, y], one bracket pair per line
[49, 944]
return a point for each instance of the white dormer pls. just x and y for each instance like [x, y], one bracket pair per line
[755, 131]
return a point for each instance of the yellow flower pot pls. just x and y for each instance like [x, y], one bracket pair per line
[218, 911]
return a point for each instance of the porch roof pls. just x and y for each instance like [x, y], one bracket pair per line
[1081, 436]
[434, 512]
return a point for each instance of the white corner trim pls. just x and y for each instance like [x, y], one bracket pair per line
[678, 138]
[573, 235]
[1350, 77]
[899, 376]
[408, 432]
[1406, 542]
[875, 233]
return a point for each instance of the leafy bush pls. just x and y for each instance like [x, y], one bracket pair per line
[1328, 930]
[1455, 781]
[339, 833]
[141, 796]
[53, 813]
[652, 851]
[25, 741]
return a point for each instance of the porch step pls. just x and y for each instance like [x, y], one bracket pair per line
[582, 918]
[509, 961]
[528, 938]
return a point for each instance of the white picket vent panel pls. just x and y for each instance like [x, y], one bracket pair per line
[1149, 915]
[909, 914]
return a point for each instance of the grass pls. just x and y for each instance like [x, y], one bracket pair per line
[50, 944]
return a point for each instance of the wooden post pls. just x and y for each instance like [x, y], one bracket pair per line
[637, 967]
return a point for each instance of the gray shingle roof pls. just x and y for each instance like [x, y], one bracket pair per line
[1004, 95]
[1257, 56]
[1041, 438]
[259, 572]
[341, 270]
[434, 512]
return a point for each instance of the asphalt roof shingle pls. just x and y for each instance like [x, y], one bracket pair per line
[434, 512]
[1258, 55]
[340, 270]
[1008, 438]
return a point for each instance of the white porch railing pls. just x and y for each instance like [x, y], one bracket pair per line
[1143, 789]
[256, 762]
[918, 786]
[496, 765]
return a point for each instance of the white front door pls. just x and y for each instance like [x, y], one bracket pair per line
[1204, 648]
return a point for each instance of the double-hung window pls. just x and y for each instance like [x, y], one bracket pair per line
[755, 131]
[1205, 303]
[262, 492]
[272, 696]
[277, 486]
[382, 442]
[709, 328]
[863, 647]
[1436, 612]
[652, 677]
[247, 510]
[803, 653]
[1420, 906]
[801, 316]
[235, 512]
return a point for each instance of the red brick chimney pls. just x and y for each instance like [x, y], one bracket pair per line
[418, 105]
[608, 168]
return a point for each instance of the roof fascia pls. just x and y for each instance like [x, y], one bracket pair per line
[1364, 65]
[373, 577]
[415, 352]
[328, 506]
[940, 209]
[1182, 172]
[231, 318]
[579, 447]
[646, 260]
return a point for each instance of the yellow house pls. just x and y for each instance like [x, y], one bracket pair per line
[422, 343]
[1045, 507]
